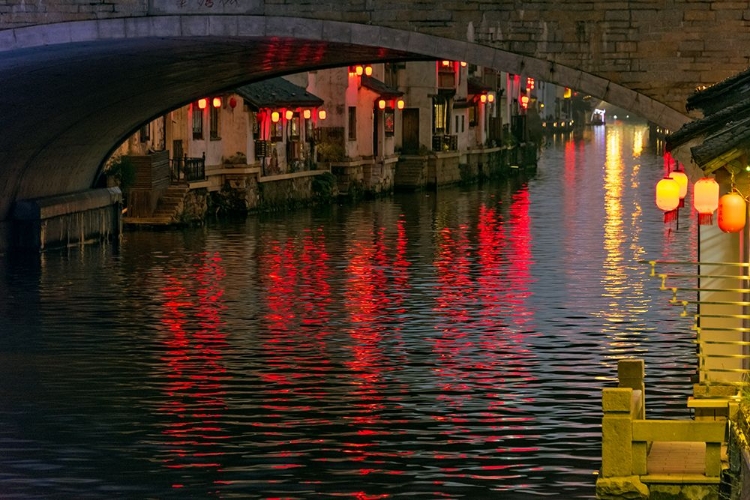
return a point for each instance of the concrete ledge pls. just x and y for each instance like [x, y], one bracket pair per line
[679, 479]
[56, 206]
[72, 218]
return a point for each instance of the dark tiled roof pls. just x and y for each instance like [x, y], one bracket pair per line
[277, 92]
[383, 90]
[725, 93]
[723, 146]
[708, 125]
[476, 86]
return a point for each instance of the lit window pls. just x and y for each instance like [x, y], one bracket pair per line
[197, 122]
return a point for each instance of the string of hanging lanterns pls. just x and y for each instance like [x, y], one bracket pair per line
[732, 207]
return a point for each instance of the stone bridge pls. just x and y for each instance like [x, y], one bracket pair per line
[79, 76]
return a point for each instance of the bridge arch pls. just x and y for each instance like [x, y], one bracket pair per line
[73, 90]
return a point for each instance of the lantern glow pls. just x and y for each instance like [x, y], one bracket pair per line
[483, 98]
[322, 114]
[668, 198]
[706, 199]
[306, 114]
[368, 70]
[289, 114]
[400, 104]
[359, 69]
[682, 180]
[275, 116]
[202, 103]
[732, 213]
[216, 102]
[381, 104]
[490, 97]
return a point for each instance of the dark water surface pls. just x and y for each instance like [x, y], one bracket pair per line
[430, 345]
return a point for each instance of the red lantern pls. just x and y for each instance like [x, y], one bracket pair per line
[682, 180]
[232, 102]
[668, 197]
[732, 212]
[706, 199]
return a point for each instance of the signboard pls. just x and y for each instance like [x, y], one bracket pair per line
[248, 7]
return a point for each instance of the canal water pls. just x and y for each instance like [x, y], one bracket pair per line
[448, 344]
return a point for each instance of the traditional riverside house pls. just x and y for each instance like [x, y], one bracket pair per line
[358, 141]
[284, 117]
[718, 146]
[453, 124]
[220, 150]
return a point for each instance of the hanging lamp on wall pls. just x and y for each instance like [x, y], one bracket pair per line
[732, 212]
[668, 198]
[706, 199]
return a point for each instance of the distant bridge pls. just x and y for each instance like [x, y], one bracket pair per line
[78, 77]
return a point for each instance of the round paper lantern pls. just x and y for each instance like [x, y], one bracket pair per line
[202, 103]
[668, 197]
[732, 213]
[232, 102]
[275, 116]
[216, 102]
[682, 180]
[706, 199]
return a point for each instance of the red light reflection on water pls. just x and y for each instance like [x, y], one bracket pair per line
[480, 346]
[194, 364]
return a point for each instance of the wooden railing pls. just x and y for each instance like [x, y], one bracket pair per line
[188, 169]
[627, 436]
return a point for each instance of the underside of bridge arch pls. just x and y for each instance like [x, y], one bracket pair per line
[74, 91]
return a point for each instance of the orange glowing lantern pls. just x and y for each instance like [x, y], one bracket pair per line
[400, 104]
[381, 104]
[202, 103]
[446, 64]
[359, 69]
[275, 116]
[668, 198]
[706, 199]
[682, 180]
[483, 98]
[368, 70]
[524, 101]
[463, 64]
[216, 102]
[732, 212]
[490, 97]
[306, 114]
[289, 114]
[322, 114]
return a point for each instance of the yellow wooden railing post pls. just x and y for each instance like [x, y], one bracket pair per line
[630, 373]
[617, 432]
